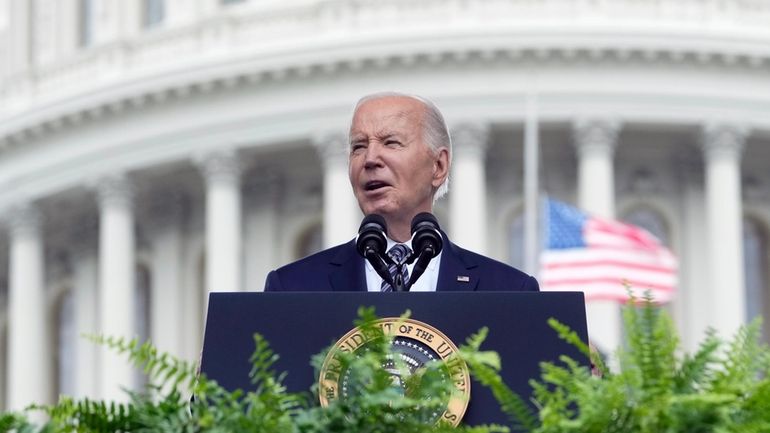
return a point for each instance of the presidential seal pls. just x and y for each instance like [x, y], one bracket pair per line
[414, 344]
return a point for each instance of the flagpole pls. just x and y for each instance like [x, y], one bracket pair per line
[531, 171]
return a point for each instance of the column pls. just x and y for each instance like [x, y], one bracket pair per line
[19, 36]
[467, 198]
[722, 147]
[85, 285]
[223, 220]
[29, 349]
[117, 271]
[341, 216]
[262, 250]
[166, 314]
[595, 142]
[692, 300]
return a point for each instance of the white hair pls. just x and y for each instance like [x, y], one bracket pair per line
[434, 129]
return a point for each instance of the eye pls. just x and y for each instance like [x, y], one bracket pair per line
[357, 146]
[392, 142]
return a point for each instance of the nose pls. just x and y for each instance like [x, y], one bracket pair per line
[373, 157]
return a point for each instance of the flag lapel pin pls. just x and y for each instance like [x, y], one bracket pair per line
[463, 278]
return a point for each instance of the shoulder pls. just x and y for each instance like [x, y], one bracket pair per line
[305, 272]
[494, 274]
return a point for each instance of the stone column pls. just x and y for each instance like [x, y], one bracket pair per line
[223, 221]
[722, 148]
[82, 248]
[166, 316]
[19, 34]
[261, 249]
[341, 212]
[595, 142]
[467, 197]
[29, 353]
[117, 274]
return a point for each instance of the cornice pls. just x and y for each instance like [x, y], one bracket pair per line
[313, 61]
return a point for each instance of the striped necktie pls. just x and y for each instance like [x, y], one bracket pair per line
[398, 253]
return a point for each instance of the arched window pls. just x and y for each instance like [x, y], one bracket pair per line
[755, 264]
[66, 345]
[650, 220]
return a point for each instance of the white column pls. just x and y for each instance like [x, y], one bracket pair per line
[722, 147]
[342, 215]
[223, 221]
[85, 280]
[692, 300]
[261, 222]
[117, 274]
[467, 191]
[29, 354]
[166, 316]
[19, 41]
[595, 141]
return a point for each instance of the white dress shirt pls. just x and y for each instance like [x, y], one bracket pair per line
[426, 283]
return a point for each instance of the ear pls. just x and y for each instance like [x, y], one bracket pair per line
[440, 167]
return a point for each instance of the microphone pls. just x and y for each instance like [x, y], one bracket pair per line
[426, 243]
[371, 244]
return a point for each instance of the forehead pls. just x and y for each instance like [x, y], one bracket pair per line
[387, 112]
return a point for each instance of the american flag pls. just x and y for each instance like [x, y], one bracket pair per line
[601, 257]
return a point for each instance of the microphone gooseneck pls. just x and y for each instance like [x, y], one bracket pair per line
[426, 243]
[371, 244]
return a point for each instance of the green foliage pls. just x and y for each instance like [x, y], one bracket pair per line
[717, 389]
[721, 388]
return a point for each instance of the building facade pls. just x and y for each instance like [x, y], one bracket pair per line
[152, 151]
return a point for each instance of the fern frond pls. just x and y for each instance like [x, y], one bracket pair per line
[697, 370]
[169, 370]
[571, 337]
[744, 360]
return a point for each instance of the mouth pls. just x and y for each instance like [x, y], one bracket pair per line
[375, 185]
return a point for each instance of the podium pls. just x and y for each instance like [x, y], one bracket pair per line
[299, 325]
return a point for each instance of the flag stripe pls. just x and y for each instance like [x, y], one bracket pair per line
[560, 264]
[602, 258]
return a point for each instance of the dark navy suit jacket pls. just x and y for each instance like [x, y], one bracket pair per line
[341, 268]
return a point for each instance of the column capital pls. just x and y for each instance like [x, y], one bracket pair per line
[331, 145]
[24, 219]
[595, 136]
[114, 190]
[720, 140]
[219, 165]
[470, 138]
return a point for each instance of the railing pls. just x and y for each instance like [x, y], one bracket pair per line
[272, 27]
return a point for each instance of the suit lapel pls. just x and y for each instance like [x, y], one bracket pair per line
[458, 271]
[347, 274]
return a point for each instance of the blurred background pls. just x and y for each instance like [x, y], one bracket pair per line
[152, 151]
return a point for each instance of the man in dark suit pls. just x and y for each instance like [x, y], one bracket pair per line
[400, 155]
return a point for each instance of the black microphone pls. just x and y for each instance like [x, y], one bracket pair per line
[426, 243]
[371, 244]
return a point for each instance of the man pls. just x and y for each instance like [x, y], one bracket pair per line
[400, 155]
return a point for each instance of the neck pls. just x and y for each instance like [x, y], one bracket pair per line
[399, 232]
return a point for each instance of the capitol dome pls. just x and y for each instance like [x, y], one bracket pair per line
[152, 151]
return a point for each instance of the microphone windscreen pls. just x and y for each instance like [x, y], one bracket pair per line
[424, 217]
[371, 235]
[372, 219]
[425, 234]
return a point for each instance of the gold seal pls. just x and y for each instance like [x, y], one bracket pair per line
[416, 343]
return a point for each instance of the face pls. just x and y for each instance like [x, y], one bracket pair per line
[393, 171]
